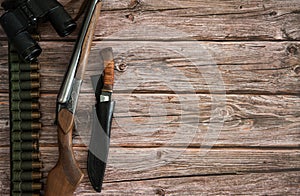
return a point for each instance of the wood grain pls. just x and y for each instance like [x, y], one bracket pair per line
[243, 67]
[222, 166]
[201, 19]
[154, 120]
[252, 184]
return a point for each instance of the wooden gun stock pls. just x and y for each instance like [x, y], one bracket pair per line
[66, 175]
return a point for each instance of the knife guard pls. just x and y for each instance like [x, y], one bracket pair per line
[99, 144]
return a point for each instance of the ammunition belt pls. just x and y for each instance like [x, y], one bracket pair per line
[24, 126]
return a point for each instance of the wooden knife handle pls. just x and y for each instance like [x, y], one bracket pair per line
[109, 75]
[66, 175]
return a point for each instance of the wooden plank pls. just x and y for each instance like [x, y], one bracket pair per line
[206, 20]
[222, 166]
[162, 119]
[201, 20]
[201, 67]
[128, 164]
[250, 184]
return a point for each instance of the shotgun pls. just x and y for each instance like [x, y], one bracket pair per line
[66, 175]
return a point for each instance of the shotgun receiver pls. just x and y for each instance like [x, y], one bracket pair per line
[66, 175]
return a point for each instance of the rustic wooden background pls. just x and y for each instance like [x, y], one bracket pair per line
[255, 64]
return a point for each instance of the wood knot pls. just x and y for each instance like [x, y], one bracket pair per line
[121, 67]
[297, 69]
[130, 17]
[292, 49]
[273, 13]
[160, 192]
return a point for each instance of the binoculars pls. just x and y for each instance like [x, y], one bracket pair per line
[21, 18]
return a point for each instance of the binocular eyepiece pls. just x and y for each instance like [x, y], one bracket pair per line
[22, 16]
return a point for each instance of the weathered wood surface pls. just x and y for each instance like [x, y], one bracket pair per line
[247, 120]
[200, 73]
[241, 67]
[154, 165]
[201, 19]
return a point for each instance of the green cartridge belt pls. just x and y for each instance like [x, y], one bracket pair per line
[24, 126]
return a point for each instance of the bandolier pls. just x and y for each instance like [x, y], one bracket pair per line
[24, 125]
[19, 21]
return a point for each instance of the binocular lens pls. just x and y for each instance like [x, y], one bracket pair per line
[16, 32]
[61, 21]
[26, 46]
[18, 19]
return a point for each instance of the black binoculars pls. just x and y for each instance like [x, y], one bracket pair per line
[22, 16]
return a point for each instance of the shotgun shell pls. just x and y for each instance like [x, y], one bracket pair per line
[26, 125]
[26, 176]
[26, 186]
[26, 165]
[15, 67]
[23, 76]
[24, 105]
[24, 85]
[20, 156]
[24, 95]
[25, 115]
[28, 136]
[24, 146]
